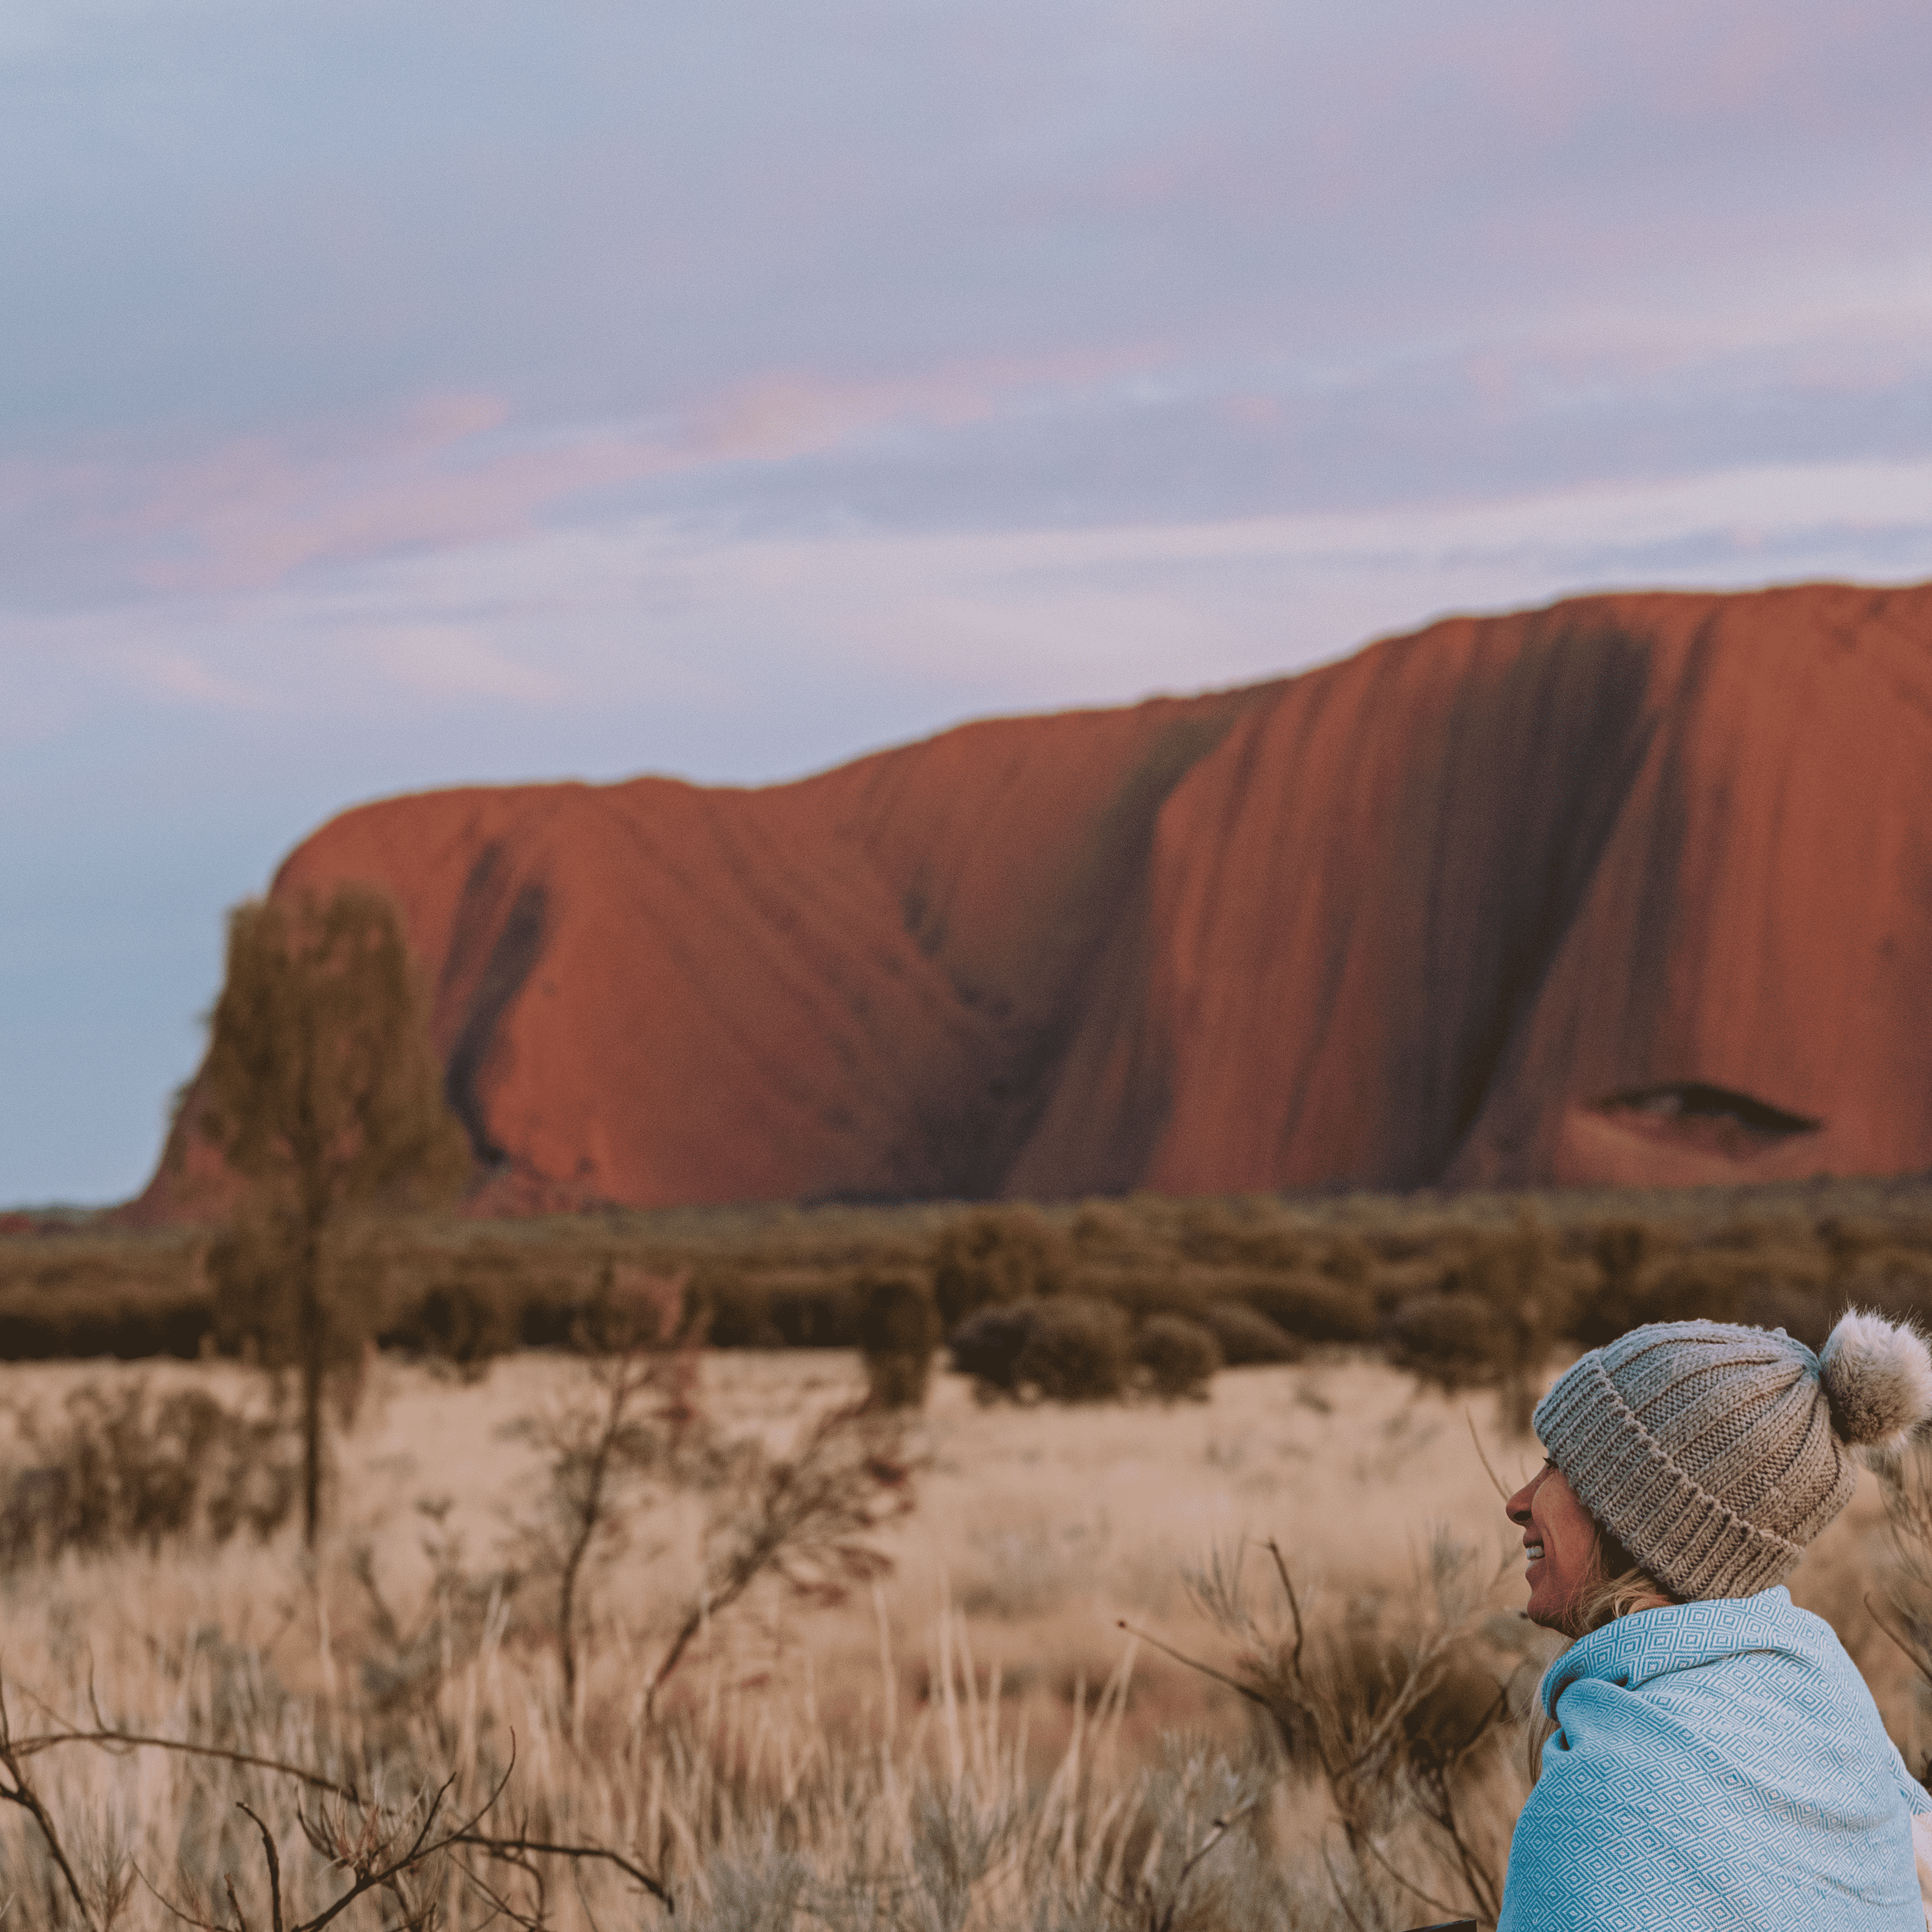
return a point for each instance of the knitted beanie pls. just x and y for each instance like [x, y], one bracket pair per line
[1715, 1453]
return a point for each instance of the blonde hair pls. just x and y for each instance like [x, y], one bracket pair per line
[1618, 1586]
[1606, 1598]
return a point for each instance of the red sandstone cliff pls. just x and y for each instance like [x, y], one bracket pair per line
[1635, 888]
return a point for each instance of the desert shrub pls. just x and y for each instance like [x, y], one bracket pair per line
[460, 1322]
[1403, 1241]
[634, 1432]
[994, 1256]
[1507, 1298]
[1702, 1284]
[774, 1278]
[987, 1346]
[1073, 1348]
[740, 1309]
[472, 1305]
[1280, 1250]
[1140, 1292]
[814, 1314]
[1180, 1356]
[1365, 1671]
[735, 1307]
[1445, 1338]
[1501, 1299]
[1405, 1712]
[1245, 1335]
[1621, 1250]
[1209, 1231]
[1800, 1308]
[1313, 1307]
[1413, 1274]
[898, 1328]
[1105, 1226]
[122, 1323]
[633, 1308]
[1896, 1281]
[1770, 1273]
[69, 1292]
[1351, 1260]
[1782, 1234]
[1747, 1261]
[1268, 1240]
[1078, 1349]
[467, 1301]
[126, 1465]
[1529, 1298]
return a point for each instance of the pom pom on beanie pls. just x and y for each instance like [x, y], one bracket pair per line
[1877, 1379]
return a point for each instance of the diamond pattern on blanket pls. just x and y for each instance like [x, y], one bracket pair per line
[1716, 1766]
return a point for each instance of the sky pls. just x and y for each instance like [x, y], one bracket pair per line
[398, 395]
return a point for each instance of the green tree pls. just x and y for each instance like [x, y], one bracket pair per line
[322, 1090]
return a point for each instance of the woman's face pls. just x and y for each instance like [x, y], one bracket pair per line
[1561, 1538]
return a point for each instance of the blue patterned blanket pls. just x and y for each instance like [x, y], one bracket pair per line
[1716, 1765]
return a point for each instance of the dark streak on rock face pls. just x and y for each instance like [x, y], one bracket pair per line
[496, 940]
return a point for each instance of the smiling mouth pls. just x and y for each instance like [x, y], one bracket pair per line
[1533, 1552]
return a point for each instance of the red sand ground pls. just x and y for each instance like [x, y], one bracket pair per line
[1634, 889]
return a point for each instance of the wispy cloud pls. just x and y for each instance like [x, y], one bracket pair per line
[679, 623]
[1108, 437]
[445, 470]
[441, 661]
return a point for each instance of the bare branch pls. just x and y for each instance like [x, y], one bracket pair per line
[1233, 1683]
[274, 1868]
[168, 1906]
[507, 1848]
[1294, 1605]
[111, 1739]
[1495, 1481]
[1341, 1897]
[500, 1906]
[22, 1793]
[807, 1522]
[1914, 1654]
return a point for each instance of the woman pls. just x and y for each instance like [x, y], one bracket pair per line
[1716, 1759]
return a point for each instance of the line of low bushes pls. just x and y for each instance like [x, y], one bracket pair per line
[133, 1326]
[67, 1295]
[1458, 1292]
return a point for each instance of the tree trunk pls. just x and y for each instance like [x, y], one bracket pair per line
[308, 1292]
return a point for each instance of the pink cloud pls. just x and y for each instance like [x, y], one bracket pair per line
[244, 512]
[782, 414]
[250, 513]
[777, 416]
[449, 469]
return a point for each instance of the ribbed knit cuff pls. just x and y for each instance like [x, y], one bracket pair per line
[1686, 1539]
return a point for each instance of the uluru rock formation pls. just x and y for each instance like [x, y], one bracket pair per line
[1633, 889]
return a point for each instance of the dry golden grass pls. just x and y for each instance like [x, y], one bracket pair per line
[973, 1742]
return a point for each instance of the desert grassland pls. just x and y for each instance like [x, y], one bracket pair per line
[970, 1741]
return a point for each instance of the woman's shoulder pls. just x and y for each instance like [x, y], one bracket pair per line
[1765, 1632]
[1745, 1680]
